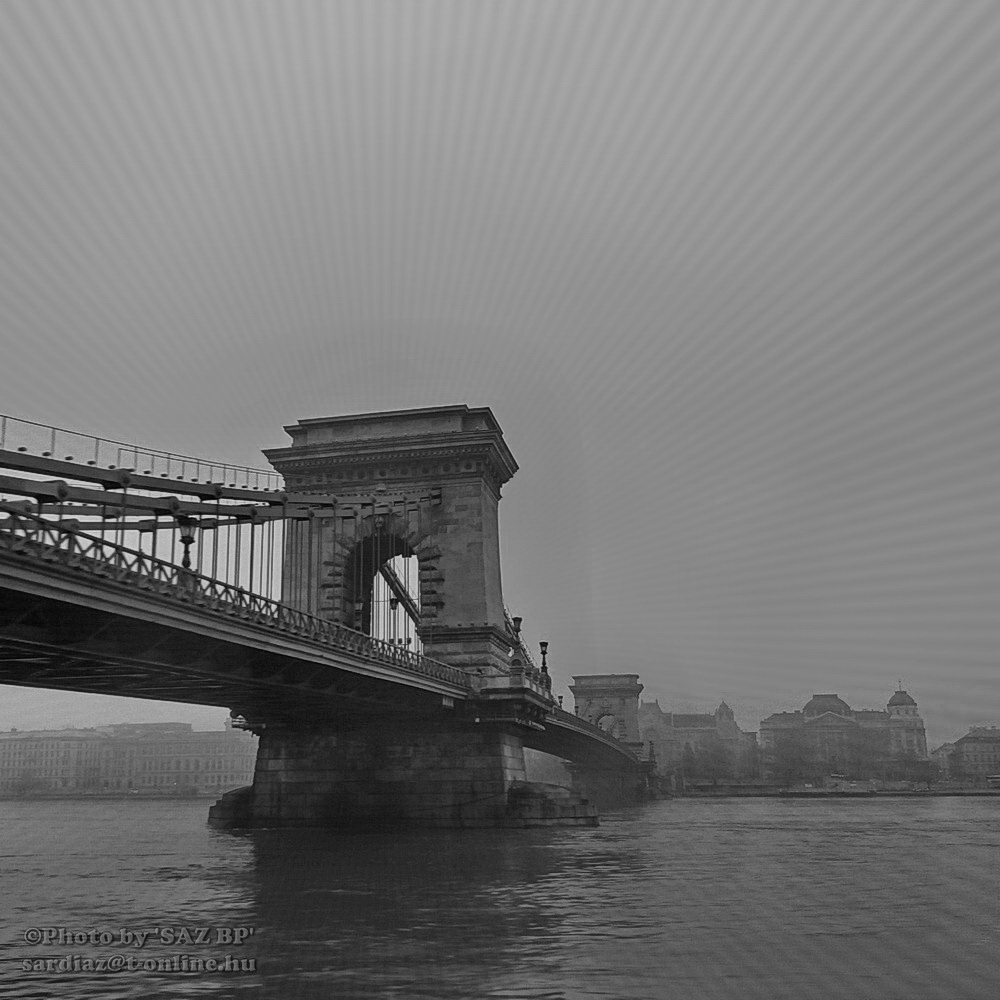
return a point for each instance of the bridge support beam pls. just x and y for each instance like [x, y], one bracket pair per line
[463, 774]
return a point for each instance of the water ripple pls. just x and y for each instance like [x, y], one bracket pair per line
[734, 899]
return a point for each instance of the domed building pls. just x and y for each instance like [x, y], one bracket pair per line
[903, 702]
[829, 737]
[906, 728]
[820, 704]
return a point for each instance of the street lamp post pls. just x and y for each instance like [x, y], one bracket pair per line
[187, 526]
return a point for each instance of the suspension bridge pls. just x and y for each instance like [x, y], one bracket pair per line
[345, 605]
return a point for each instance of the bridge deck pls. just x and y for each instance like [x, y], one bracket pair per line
[78, 612]
[47, 565]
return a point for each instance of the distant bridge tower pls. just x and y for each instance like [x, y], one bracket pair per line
[421, 483]
[610, 701]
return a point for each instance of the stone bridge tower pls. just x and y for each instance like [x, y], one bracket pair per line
[368, 490]
[610, 701]
[424, 483]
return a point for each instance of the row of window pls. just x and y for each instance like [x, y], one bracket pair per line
[47, 745]
[57, 781]
[195, 764]
[166, 781]
[44, 772]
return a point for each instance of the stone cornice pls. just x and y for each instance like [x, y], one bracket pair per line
[364, 469]
[463, 633]
[401, 449]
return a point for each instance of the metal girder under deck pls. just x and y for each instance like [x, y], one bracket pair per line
[61, 630]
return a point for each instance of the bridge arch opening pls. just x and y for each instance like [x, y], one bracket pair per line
[381, 589]
[396, 603]
[611, 725]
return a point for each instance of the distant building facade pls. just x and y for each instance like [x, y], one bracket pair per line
[941, 759]
[707, 746]
[829, 737]
[154, 758]
[976, 756]
[70, 760]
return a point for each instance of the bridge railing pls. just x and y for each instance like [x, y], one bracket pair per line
[72, 446]
[570, 721]
[30, 536]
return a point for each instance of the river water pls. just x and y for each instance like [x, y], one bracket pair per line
[875, 899]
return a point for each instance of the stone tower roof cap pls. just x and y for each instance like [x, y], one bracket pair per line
[901, 698]
[456, 417]
[392, 436]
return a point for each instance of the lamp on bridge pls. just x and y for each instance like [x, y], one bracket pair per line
[544, 647]
[187, 525]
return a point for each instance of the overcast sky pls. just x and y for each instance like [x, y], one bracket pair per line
[726, 273]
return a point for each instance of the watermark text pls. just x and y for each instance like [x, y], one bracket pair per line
[127, 937]
[129, 962]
